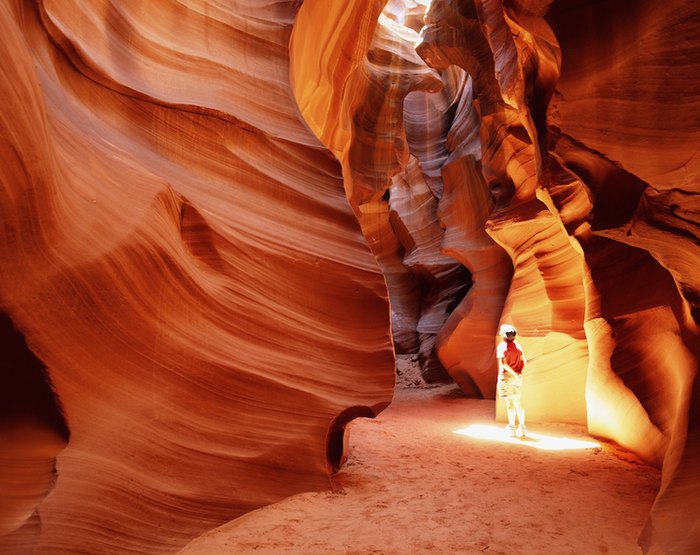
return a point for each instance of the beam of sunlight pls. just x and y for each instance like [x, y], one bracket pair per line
[538, 441]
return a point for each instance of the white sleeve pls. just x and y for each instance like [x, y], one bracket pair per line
[501, 349]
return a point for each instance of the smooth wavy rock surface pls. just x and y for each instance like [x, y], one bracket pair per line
[221, 219]
[356, 96]
[601, 228]
[179, 253]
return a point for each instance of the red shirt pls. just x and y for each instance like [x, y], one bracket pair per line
[512, 355]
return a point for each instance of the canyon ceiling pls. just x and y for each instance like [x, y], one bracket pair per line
[221, 220]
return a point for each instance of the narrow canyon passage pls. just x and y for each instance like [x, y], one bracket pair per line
[414, 484]
[221, 221]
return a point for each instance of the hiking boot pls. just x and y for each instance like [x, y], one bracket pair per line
[521, 431]
[510, 430]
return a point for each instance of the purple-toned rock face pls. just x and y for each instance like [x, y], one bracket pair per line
[219, 221]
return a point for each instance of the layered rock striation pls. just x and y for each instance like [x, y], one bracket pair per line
[518, 168]
[179, 255]
[219, 222]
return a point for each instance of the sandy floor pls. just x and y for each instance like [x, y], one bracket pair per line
[416, 483]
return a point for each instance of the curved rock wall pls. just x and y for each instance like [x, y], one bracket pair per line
[499, 158]
[370, 108]
[179, 253]
[205, 206]
[600, 226]
[624, 121]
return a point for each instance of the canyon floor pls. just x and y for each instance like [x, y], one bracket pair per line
[434, 473]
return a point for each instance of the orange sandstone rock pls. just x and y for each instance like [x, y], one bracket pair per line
[178, 251]
[217, 218]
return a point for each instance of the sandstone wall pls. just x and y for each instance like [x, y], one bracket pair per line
[220, 220]
[178, 253]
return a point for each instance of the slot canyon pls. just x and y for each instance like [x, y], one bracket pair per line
[222, 221]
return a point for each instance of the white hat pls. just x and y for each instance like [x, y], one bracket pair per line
[507, 328]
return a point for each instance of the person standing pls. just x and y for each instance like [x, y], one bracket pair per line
[511, 363]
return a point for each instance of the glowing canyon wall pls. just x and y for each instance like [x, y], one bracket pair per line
[221, 219]
[178, 252]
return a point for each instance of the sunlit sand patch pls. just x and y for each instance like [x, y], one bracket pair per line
[538, 441]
